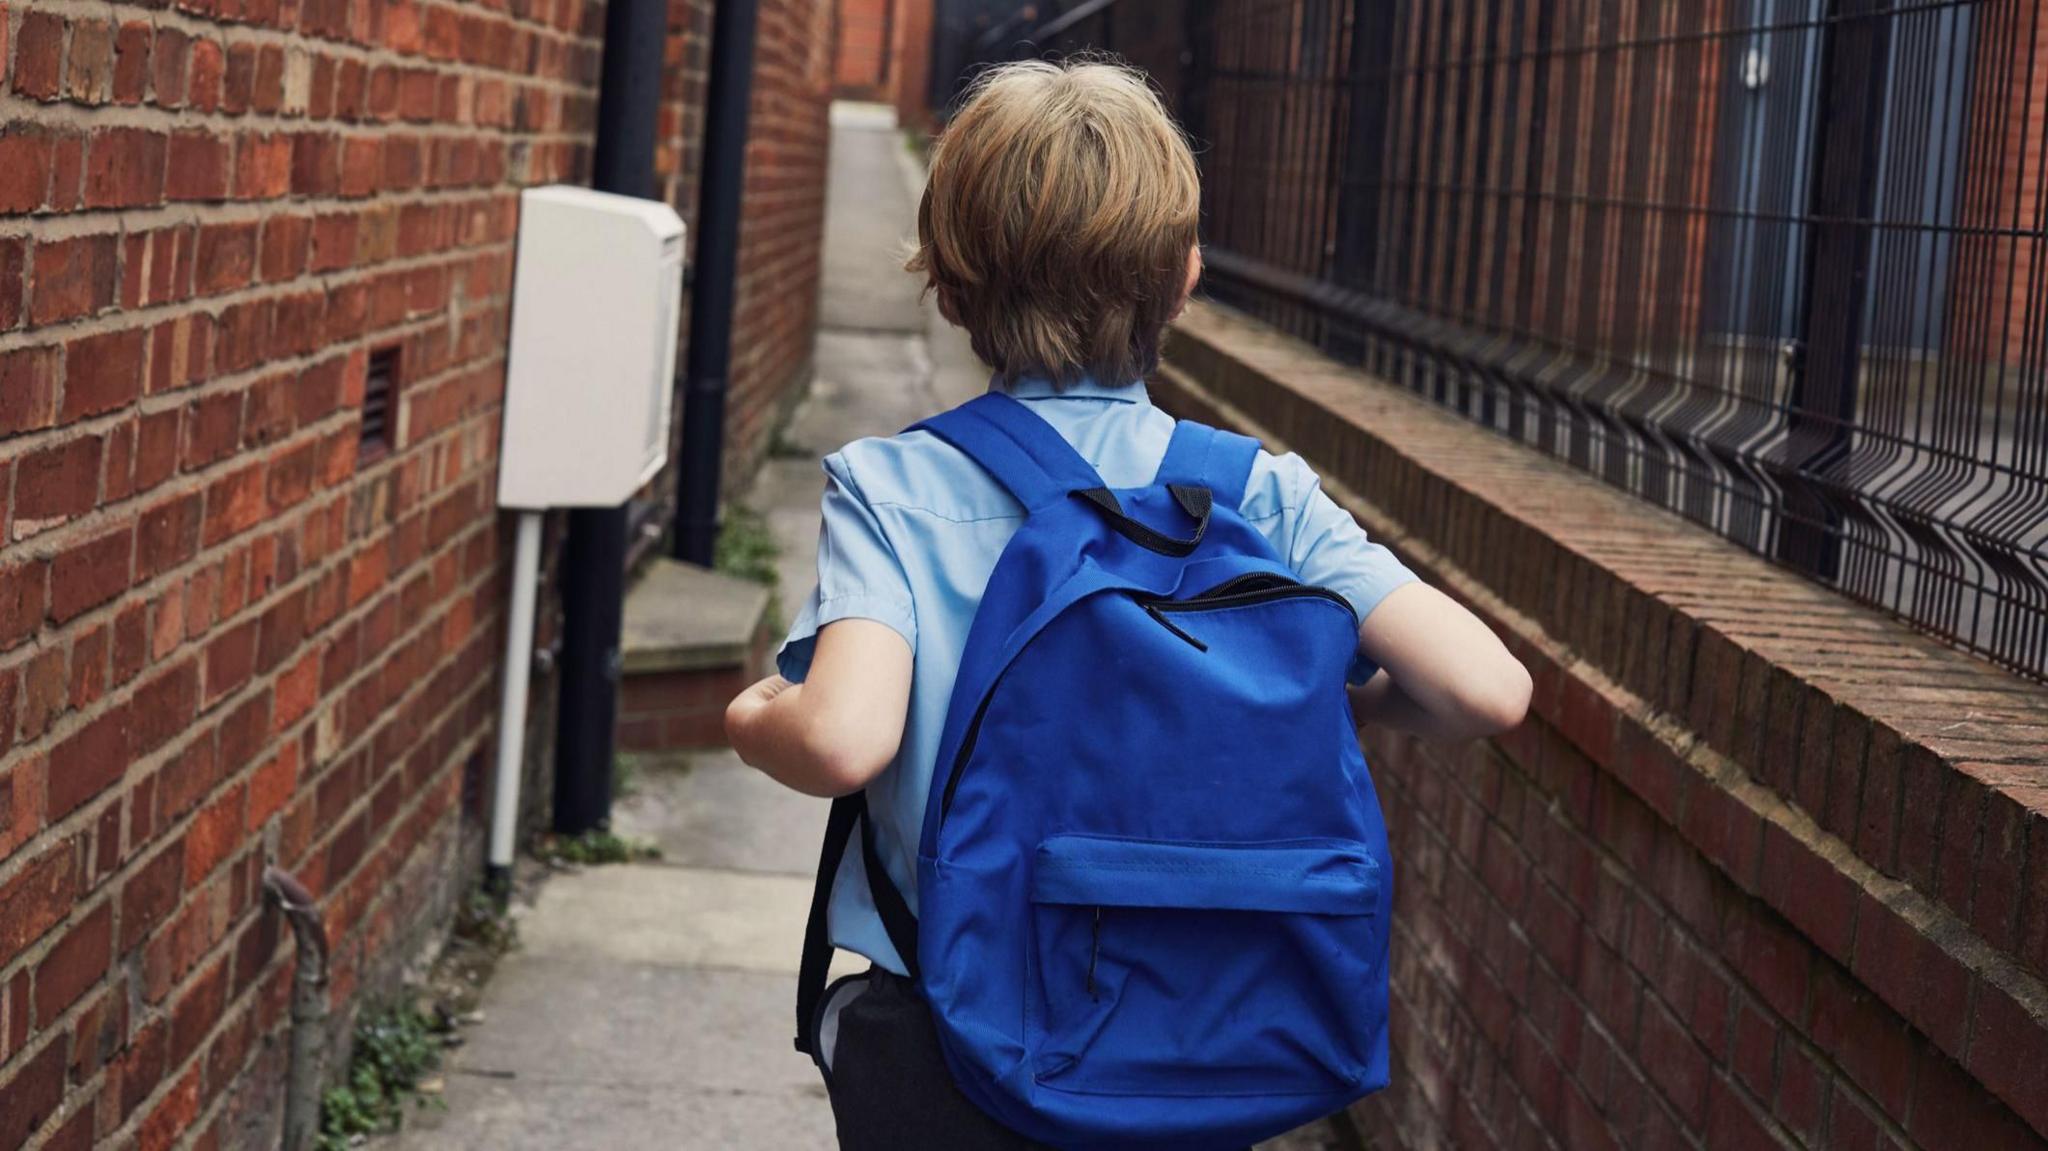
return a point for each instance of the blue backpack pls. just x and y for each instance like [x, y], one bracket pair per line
[1153, 878]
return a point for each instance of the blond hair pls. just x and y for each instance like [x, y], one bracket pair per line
[1057, 222]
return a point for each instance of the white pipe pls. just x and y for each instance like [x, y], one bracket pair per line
[512, 705]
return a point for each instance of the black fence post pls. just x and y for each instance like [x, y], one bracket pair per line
[1825, 363]
[1367, 82]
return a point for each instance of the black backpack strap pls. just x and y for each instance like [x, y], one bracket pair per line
[1201, 456]
[897, 920]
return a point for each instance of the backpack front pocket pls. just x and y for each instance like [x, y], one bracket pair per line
[1192, 969]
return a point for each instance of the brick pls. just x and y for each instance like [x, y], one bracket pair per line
[78, 961]
[230, 661]
[263, 166]
[88, 762]
[131, 641]
[57, 483]
[132, 47]
[165, 706]
[13, 285]
[125, 167]
[1911, 971]
[39, 56]
[1866, 1041]
[22, 589]
[1772, 959]
[36, 898]
[103, 373]
[2009, 1052]
[89, 574]
[198, 166]
[27, 158]
[1814, 895]
[198, 1011]
[88, 668]
[151, 894]
[67, 172]
[74, 278]
[117, 453]
[214, 834]
[227, 257]
[90, 78]
[173, 1113]
[170, 61]
[167, 535]
[234, 504]
[142, 1068]
[28, 389]
[33, 1093]
[1675, 1063]
[46, 692]
[21, 795]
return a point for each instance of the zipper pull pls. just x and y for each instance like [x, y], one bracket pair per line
[1094, 950]
[1159, 617]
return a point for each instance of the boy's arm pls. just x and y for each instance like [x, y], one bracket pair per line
[1443, 674]
[835, 731]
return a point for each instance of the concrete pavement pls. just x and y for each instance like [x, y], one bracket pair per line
[651, 1005]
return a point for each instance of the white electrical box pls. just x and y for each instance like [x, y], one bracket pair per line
[591, 377]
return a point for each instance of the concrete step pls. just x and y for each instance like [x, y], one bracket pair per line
[693, 638]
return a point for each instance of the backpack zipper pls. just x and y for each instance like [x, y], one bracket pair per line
[1256, 588]
[1253, 589]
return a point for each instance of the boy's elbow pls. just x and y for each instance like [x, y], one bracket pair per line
[839, 765]
[1503, 702]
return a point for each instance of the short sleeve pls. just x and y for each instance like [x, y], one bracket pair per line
[859, 576]
[1328, 549]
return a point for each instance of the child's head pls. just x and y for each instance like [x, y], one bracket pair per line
[1059, 223]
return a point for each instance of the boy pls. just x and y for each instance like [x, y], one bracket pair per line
[1058, 229]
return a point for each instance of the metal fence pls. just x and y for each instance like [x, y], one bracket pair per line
[1776, 265]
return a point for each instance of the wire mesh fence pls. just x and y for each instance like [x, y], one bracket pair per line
[1775, 265]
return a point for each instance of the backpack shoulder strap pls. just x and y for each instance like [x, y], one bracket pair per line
[848, 812]
[1015, 446]
[1201, 456]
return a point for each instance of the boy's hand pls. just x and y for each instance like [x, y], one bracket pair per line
[832, 733]
[749, 705]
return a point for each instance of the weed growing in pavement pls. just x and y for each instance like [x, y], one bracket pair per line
[393, 1052]
[594, 847]
[746, 548]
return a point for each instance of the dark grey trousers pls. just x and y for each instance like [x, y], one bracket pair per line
[891, 1090]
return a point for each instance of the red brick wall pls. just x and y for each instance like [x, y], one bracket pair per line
[913, 59]
[861, 68]
[1996, 311]
[226, 637]
[1764, 869]
[788, 144]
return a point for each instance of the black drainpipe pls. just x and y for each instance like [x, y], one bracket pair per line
[711, 285]
[594, 562]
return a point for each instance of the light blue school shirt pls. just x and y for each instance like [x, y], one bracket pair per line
[912, 529]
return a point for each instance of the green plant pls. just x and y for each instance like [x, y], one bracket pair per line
[746, 548]
[625, 774]
[393, 1051]
[482, 921]
[595, 847]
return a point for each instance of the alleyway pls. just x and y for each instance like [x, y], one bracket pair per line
[650, 1004]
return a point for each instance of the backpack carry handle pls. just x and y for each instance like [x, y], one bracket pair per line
[1195, 500]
